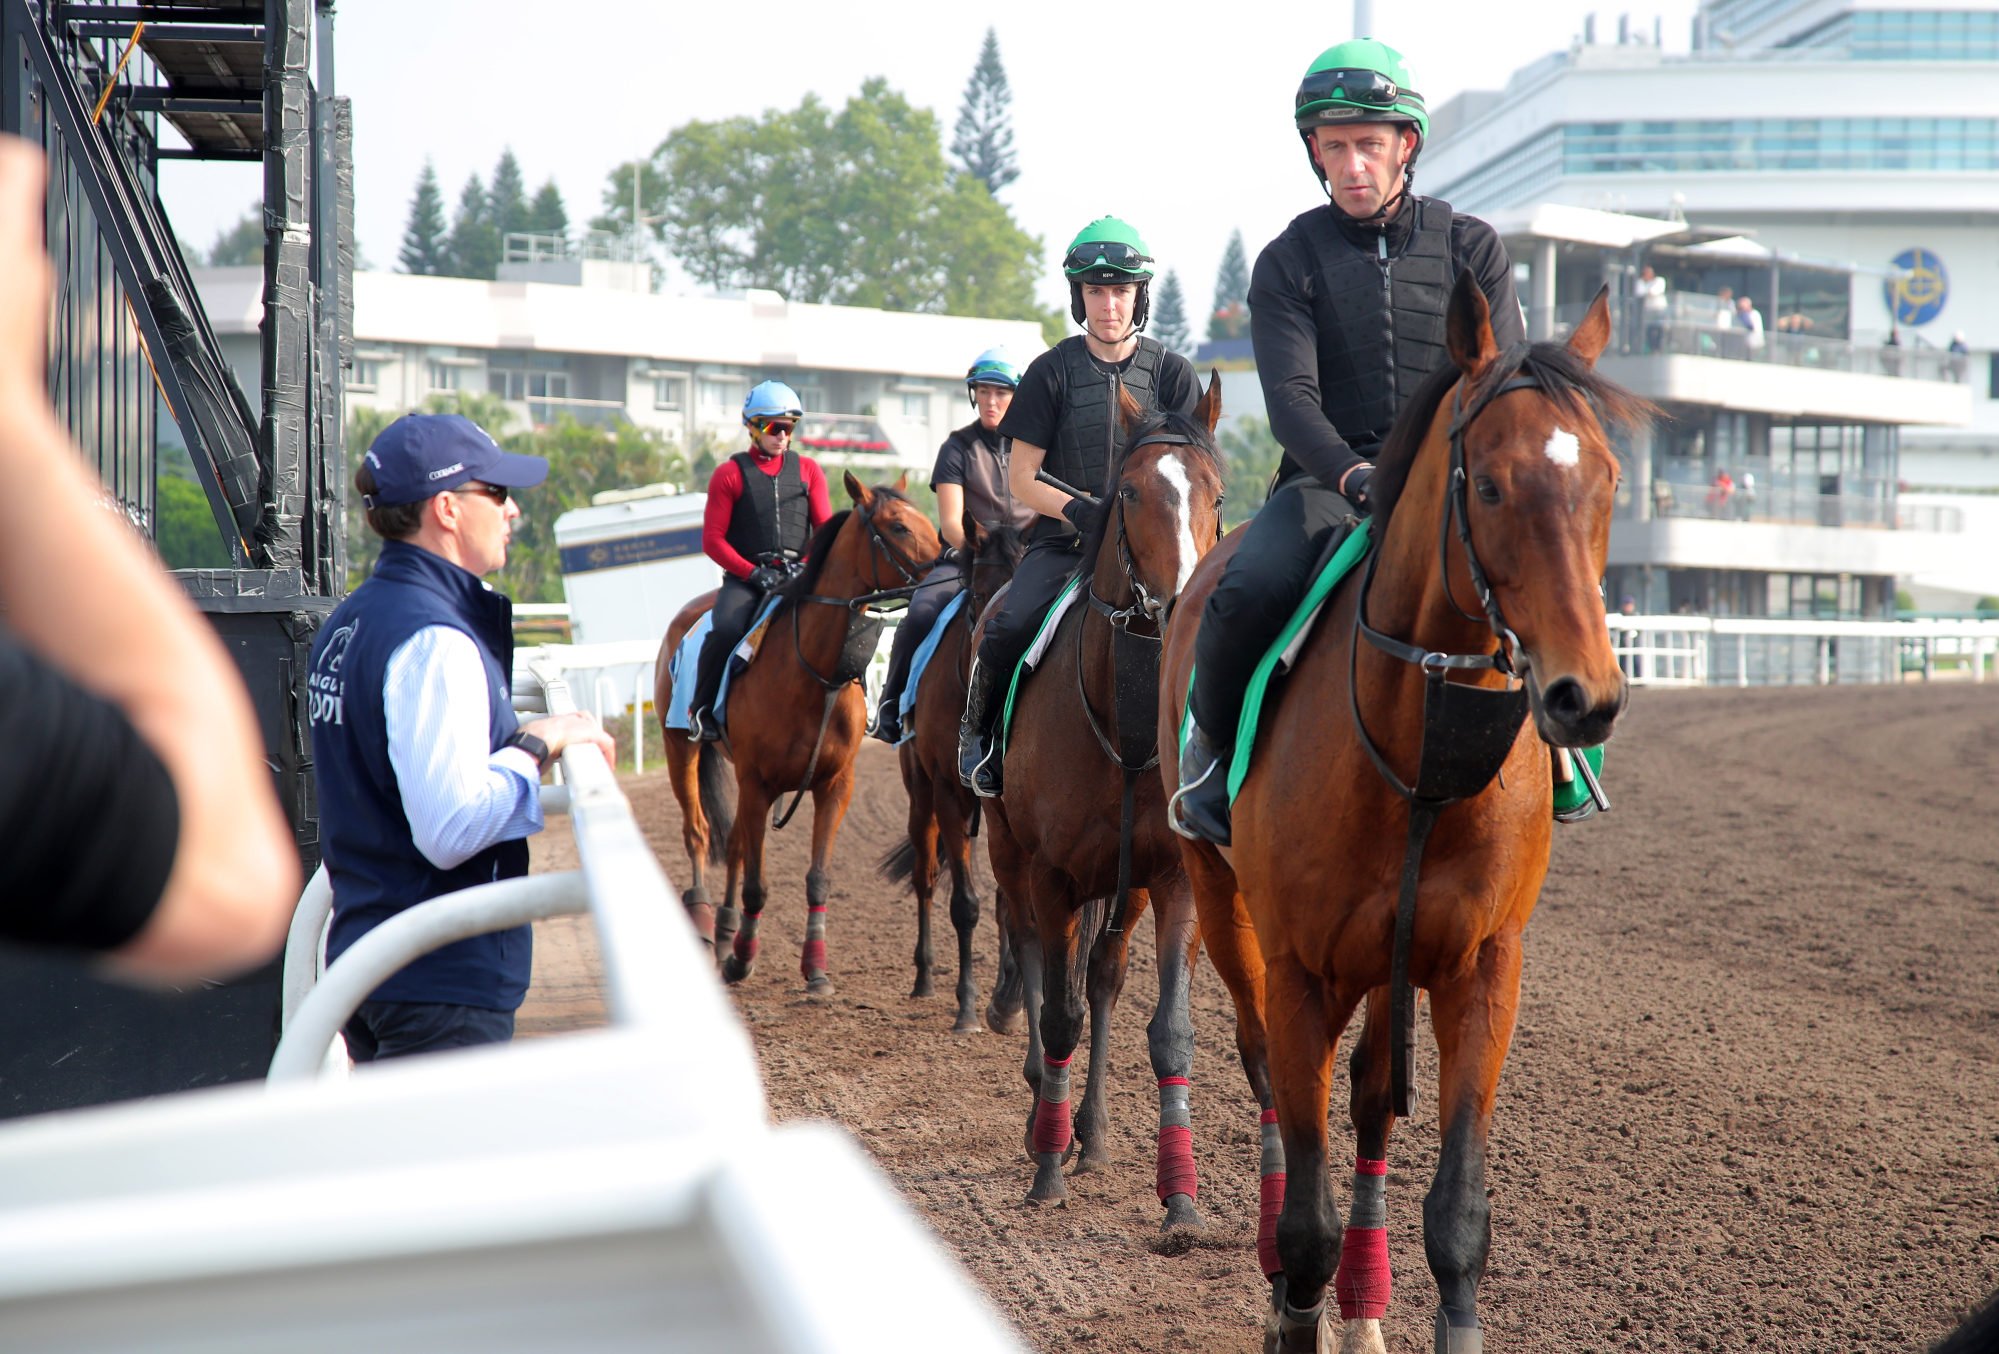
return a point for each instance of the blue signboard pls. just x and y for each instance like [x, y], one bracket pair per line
[626, 550]
[1918, 295]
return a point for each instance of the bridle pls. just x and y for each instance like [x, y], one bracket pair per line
[1144, 603]
[1507, 657]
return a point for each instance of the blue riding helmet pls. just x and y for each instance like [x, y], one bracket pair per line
[771, 399]
[993, 367]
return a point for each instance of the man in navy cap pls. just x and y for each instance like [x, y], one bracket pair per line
[427, 783]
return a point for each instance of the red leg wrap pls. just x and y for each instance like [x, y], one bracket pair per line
[1176, 1162]
[1051, 1125]
[1363, 1283]
[813, 961]
[746, 947]
[1272, 1193]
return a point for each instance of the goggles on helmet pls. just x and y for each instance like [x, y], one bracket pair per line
[1105, 253]
[1367, 87]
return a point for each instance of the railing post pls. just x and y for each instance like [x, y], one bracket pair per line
[1825, 660]
[1742, 660]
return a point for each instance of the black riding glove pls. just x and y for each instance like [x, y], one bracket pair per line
[768, 577]
[1356, 490]
[1082, 513]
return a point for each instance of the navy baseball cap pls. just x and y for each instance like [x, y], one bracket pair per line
[424, 454]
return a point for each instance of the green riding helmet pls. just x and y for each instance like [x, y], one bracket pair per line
[1359, 81]
[1107, 252]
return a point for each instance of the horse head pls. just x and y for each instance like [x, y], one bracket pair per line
[896, 544]
[1164, 506]
[1534, 480]
[996, 553]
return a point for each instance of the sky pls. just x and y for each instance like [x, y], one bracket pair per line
[1175, 117]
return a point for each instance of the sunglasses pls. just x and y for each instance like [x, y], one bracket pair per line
[1371, 88]
[1091, 253]
[497, 492]
[774, 427]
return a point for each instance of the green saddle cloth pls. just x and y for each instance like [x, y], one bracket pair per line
[1049, 619]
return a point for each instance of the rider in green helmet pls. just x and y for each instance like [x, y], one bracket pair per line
[1346, 318]
[1064, 421]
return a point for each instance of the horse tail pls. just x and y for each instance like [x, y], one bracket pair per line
[715, 806]
[899, 865]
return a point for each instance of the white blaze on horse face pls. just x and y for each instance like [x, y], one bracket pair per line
[1563, 448]
[1174, 473]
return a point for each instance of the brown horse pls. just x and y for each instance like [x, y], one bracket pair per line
[941, 810]
[1077, 766]
[795, 716]
[1492, 521]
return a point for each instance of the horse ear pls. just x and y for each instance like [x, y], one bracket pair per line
[1468, 328]
[1592, 336]
[974, 533]
[856, 490]
[1208, 411]
[1129, 412]
[902, 481]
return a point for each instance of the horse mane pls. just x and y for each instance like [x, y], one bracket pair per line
[1005, 543]
[816, 551]
[1164, 421]
[1571, 383]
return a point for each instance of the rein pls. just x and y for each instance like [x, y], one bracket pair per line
[864, 627]
[1468, 731]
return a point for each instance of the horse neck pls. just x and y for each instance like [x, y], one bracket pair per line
[1409, 599]
[822, 629]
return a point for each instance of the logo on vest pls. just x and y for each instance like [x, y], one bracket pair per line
[325, 686]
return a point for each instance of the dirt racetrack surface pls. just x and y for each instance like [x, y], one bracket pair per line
[1752, 1102]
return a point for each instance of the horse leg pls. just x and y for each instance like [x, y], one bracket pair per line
[1008, 997]
[923, 841]
[746, 851]
[1308, 1228]
[1365, 1282]
[1063, 972]
[1230, 940]
[1169, 1037]
[728, 917]
[829, 806]
[1110, 957]
[683, 771]
[1473, 1018]
[1028, 948]
[964, 912]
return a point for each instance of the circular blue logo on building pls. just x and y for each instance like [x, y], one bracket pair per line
[1918, 295]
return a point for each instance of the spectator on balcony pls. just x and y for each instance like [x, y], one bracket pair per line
[1662, 496]
[1891, 352]
[1749, 319]
[1720, 492]
[1651, 293]
[1960, 356]
[1745, 495]
[1724, 315]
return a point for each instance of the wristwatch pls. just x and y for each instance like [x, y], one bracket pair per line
[529, 744]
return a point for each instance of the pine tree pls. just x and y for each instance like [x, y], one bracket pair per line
[983, 138]
[424, 246]
[1169, 324]
[474, 247]
[546, 214]
[1230, 317]
[507, 200]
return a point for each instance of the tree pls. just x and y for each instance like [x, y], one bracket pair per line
[424, 247]
[506, 200]
[983, 138]
[473, 249]
[1230, 316]
[855, 208]
[546, 214]
[1252, 453]
[242, 243]
[1169, 323]
[184, 528]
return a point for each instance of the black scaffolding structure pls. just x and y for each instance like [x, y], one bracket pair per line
[92, 82]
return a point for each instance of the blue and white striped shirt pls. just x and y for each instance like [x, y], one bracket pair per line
[459, 796]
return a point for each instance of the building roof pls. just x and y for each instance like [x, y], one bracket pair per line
[758, 329]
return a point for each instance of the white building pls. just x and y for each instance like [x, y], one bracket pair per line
[585, 338]
[1838, 164]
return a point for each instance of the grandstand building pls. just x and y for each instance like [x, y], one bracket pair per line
[587, 338]
[1838, 163]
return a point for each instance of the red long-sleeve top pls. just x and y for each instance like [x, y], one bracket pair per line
[725, 486]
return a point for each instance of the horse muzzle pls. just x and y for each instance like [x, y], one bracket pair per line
[1569, 714]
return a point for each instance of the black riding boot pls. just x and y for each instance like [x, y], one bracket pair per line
[1200, 808]
[887, 724]
[978, 757]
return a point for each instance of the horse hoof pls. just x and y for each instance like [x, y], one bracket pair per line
[1049, 1187]
[923, 988]
[966, 1023]
[1182, 1216]
[819, 986]
[1361, 1337]
[735, 968]
[1001, 1022]
[1090, 1159]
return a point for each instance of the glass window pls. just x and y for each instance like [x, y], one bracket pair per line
[669, 392]
[443, 376]
[915, 404]
[367, 374]
[724, 395]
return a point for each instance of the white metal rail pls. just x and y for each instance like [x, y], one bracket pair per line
[1766, 651]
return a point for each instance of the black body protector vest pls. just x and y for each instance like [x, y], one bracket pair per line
[773, 515]
[987, 493]
[1382, 308]
[1090, 435]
